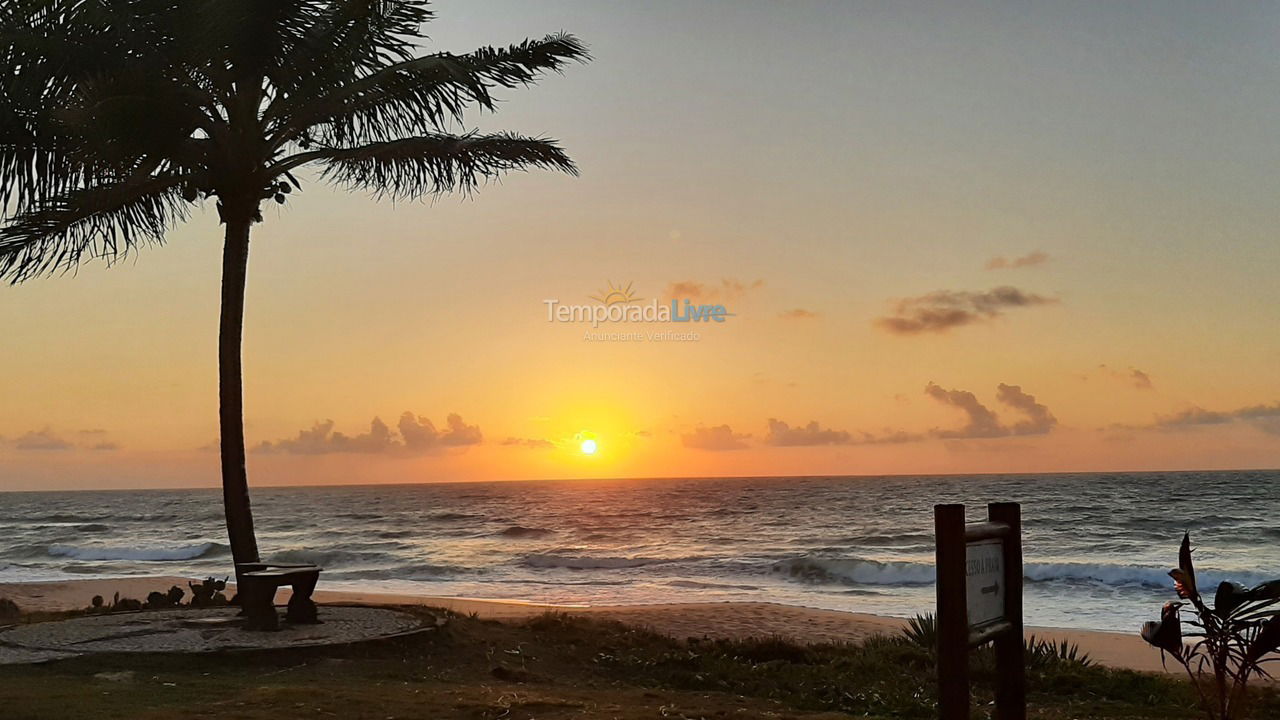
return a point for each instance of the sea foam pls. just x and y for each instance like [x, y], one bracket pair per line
[859, 571]
[152, 554]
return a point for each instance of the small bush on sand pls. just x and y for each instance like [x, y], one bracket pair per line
[1043, 653]
[922, 631]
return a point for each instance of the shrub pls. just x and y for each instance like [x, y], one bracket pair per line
[1043, 653]
[1236, 636]
[922, 631]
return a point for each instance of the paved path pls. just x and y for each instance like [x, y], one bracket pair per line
[192, 631]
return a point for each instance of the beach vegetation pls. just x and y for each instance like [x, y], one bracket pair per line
[1042, 652]
[561, 666]
[922, 631]
[1222, 644]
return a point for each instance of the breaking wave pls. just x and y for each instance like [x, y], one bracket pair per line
[158, 554]
[858, 571]
[572, 562]
[855, 571]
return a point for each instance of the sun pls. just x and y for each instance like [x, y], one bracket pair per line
[588, 447]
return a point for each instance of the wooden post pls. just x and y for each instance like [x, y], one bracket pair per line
[953, 614]
[1011, 689]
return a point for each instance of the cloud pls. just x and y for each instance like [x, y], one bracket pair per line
[421, 435]
[1194, 416]
[890, 437]
[1133, 376]
[728, 289]
[940, 311]
[50, 439]
[45, 439]
[798, 314]
[531, 443]
[984, 423]
[759, 378]
[720, 437]
[1028, 260]
[1039, 420]
[1263, 417]
[782, 435]
[416, 436]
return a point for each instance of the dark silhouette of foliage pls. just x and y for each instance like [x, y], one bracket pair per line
[1044, 652]
[208, 593]
[1041, 653]
[922, 631]
[157, 600]
[1232, 640]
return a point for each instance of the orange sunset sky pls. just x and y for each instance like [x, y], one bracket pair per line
[955, 238]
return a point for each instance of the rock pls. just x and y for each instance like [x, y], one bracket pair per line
[123, 676]
[8, 609]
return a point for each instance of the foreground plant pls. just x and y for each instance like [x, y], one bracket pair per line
[1236, 637]
[116, 117]
[922, 631]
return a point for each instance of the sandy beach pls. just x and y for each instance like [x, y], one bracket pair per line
[679, 620]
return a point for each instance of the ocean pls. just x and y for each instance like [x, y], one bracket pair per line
[1097, 546]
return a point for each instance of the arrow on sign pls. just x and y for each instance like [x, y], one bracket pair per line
[991, 589]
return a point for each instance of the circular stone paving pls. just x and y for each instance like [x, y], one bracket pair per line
[193, 631]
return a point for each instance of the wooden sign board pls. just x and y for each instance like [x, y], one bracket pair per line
[984, 582]
[980, 601]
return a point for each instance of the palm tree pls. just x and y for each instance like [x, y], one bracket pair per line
[117, 116]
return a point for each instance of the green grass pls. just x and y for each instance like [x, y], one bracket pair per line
[557, 666]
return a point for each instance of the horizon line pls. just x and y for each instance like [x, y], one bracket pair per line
[667, 478]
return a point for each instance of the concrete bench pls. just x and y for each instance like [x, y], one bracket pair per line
[258, 585]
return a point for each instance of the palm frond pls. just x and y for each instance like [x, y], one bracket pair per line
[432, 164]
[105, 221]
[418, 96]
[88, 95]
[113, 114]
[363, 35]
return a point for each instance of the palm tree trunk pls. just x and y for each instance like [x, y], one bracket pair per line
[235, 479]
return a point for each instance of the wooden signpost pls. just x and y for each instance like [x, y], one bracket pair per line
[980, 601]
